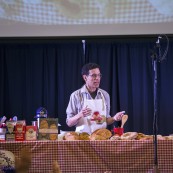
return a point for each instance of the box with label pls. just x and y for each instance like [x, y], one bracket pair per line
[48, 129]
[20, 129]
[10, 136]
[10, 125]
[47, 136]
[20, 126]
[19, 136]
[10, 132]
[31, 133]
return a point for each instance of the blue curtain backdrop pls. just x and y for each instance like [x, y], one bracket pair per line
[44, 72]
[36, 73]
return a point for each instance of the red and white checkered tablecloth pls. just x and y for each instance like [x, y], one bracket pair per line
[43, 153]
[96, 156]
[116, 156]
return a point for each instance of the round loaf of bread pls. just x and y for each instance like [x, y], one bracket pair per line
[84, 136]
[105, 133]
[129, 136]
[71, 136]
[95, 137]
[115, 137]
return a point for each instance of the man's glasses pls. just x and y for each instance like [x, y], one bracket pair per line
[94, 76]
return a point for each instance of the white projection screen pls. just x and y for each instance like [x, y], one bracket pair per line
[44, 18]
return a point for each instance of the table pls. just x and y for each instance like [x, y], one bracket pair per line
[130, 156]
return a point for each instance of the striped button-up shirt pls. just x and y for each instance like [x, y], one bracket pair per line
[77, 101]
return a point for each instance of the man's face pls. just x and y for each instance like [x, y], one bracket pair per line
[93, 79]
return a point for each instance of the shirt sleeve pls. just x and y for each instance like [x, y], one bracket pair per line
[73, 106]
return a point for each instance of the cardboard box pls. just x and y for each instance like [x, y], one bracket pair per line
[10, 127]
[48, 136]
[48, 129]
[31, 133]
[19, 136]
[20, 126]
[10, 133]
[20, 130]
[10, 136]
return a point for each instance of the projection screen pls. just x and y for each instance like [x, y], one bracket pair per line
[40, 18]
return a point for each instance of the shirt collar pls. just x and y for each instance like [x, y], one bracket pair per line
[84, 90]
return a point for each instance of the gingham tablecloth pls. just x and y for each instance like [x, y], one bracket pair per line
[43, 153]
[96, 156]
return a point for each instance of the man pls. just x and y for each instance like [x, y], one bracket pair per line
[89, 107]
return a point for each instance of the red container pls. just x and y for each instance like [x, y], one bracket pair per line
[119, 131]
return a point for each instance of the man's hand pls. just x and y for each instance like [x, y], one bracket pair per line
[118, 116]
[86, 111]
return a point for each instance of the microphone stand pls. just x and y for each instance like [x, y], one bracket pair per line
[155, 117]
[157, 57]
[156, 60]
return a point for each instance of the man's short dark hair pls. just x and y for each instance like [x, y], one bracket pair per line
[89, 66]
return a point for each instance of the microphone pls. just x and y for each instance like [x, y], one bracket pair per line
[158, 39]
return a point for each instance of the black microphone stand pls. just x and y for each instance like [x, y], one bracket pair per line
[157, 58]
[155, 63]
